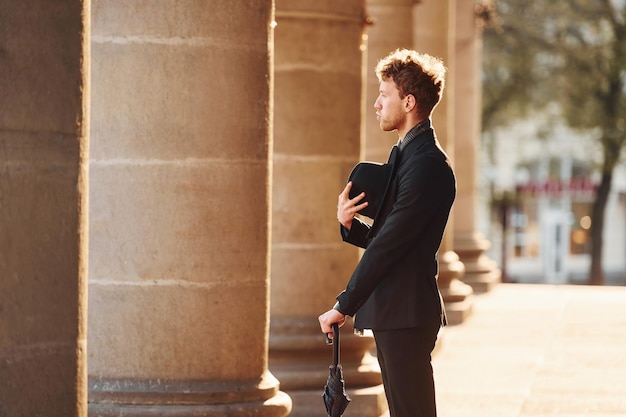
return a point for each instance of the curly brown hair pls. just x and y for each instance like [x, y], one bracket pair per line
[420, 75]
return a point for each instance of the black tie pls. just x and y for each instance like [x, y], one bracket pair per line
[393, 155]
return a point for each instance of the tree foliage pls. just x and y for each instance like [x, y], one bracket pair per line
[568, 52]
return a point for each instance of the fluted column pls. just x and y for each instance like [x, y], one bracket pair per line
[318, 95]
[434, 33]
[44, 125]
[391, 23]
[481, 272]
[180, 221]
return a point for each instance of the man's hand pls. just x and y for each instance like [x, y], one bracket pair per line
[327, 319]
[347, 208]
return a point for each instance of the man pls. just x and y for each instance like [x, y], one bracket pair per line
[393, 290]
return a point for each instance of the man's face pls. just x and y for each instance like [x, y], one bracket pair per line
[389, 106]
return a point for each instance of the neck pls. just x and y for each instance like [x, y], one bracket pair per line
[402, 132]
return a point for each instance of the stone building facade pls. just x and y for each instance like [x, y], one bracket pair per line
[168, 185]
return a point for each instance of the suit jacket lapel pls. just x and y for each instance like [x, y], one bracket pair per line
[393, 162]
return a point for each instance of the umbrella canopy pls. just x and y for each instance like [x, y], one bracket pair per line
[335, 398]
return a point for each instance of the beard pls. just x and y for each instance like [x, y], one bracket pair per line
[391, 122]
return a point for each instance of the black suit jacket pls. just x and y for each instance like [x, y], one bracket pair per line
[395, 283]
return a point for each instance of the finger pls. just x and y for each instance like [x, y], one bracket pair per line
[346, 190]
[354, 201]
[350, 211]
[360, 207]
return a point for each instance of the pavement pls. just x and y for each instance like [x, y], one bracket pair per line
[536, 350]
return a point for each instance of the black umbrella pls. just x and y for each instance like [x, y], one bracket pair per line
[335, 398]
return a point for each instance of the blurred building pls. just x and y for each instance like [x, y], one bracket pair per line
[544, 173]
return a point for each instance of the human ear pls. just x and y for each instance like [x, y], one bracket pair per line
[410, 102]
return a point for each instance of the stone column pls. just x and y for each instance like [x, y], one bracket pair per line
[44, 125]
[481, 272]
[318, 97]
[434, 33]
[180, 221]
[392, 21]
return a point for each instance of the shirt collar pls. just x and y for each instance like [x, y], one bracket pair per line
[415, 131]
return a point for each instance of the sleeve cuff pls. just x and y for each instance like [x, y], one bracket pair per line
[336, 307]
[344, 232]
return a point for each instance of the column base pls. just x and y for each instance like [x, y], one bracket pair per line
[300, 359]
[277, 406]
[370, 402]
[483, 281]
[171, 398]
[457, 296]
[457, 312]
[481, 272]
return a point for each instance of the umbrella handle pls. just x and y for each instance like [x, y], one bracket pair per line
[335, 329]
[335, 342]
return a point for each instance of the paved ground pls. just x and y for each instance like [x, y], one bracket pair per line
[536, 351]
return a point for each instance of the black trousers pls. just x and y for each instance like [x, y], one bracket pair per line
[404, 356]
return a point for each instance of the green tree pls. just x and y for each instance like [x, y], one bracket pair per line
[572, 52]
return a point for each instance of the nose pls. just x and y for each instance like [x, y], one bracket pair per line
[376, 103]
